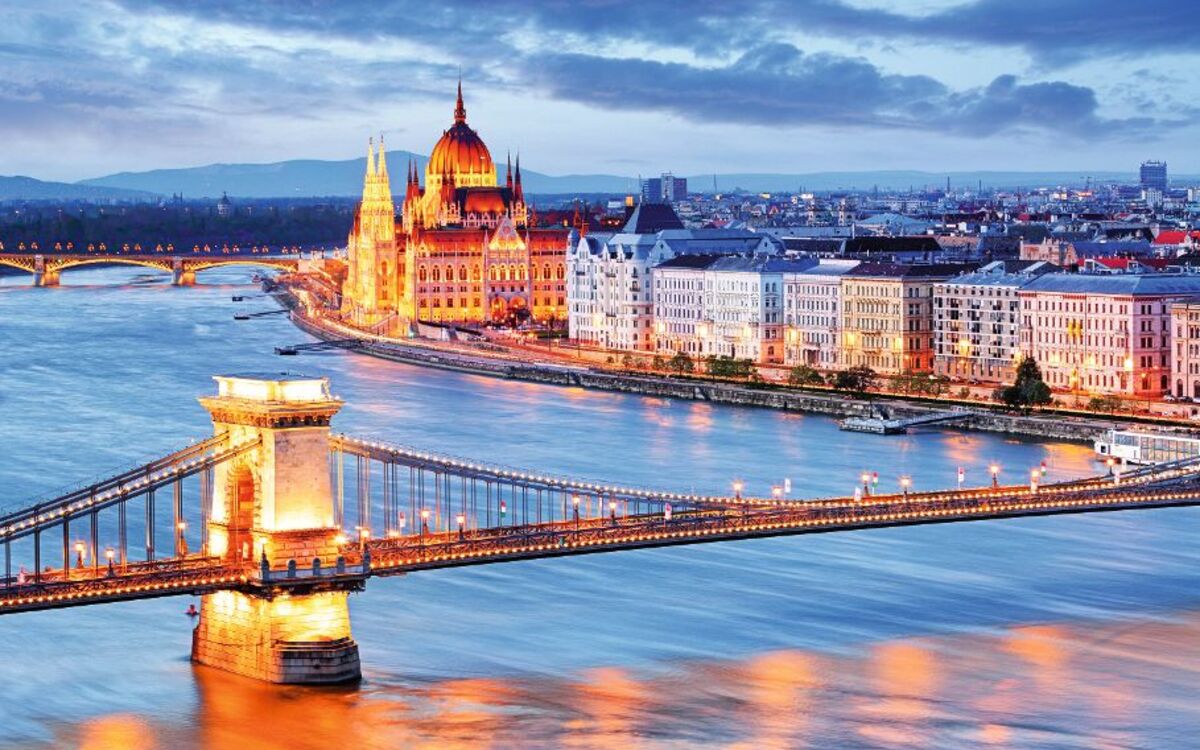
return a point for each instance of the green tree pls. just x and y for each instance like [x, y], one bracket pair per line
[730, 367]
[858, 379]
[680, 363]
[659, 363]
[1028, 390]
[805, 375]
[1107, 404]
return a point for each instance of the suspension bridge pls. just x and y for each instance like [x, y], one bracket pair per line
[275, 519]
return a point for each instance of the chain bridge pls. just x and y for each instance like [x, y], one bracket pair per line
[47, 268]
[275, 520]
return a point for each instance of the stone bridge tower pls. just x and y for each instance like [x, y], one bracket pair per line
[271, 505]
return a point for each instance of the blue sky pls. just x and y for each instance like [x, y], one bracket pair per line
[90, 87]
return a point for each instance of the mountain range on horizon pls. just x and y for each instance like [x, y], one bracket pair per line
[303, 178]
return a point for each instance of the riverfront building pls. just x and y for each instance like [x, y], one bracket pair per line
[887, 315]
[812, 310]
[609, 289]
[466, 249]
[977, 321]
[1106, 333]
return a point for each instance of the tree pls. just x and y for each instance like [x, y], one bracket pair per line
[658, 363]
[858, 379]
[1108, 404]
[729, 367]
[805, 375]
[680, 363]
[1028, 390]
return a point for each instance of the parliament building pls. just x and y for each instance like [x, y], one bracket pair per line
[464, 249]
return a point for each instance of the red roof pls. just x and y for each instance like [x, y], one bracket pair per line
[1171, 237]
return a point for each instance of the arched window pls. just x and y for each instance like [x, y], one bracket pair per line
[437, 274]
[421, 274]
[562, 271]
[449, 273]
[546, 272]
[462, 273]
[475, 273]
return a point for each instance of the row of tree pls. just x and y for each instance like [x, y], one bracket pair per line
[1027, 391]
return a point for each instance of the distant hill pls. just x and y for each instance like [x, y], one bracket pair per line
[28, 188]
[312, 177]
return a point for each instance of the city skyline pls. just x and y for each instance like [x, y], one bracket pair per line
[947, 86]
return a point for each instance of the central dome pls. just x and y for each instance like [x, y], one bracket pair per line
[461, 153]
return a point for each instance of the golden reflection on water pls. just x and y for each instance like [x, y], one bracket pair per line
[1031, 685]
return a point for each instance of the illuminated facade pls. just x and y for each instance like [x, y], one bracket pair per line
[1103, 333]
[887, 315]
[465, 248]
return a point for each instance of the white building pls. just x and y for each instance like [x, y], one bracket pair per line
[725, 306]
[609, 295]
[812, 310]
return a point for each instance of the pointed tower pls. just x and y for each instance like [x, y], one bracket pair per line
[370, 292]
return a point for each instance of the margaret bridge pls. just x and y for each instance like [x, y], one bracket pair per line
[275, 519]
[47, 268]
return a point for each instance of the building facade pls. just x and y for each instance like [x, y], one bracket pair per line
[609, 291]
[812, 309]
[977, 323]
[466, 249]
[1103, 334]
[721, 305]
[887, 316]
[1185, 350]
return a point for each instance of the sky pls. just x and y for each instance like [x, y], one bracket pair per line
[91, 87]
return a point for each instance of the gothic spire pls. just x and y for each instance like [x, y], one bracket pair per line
[370, 157]
[509, 178]
[381, 164]
[460, 112]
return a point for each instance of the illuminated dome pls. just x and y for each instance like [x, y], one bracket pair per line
[460, 153]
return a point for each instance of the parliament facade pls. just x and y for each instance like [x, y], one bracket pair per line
[464, 248]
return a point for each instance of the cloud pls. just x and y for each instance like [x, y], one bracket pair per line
[779, 85]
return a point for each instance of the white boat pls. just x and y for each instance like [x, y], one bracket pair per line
[1143, 448]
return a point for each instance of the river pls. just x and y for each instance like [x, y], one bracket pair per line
[1064, 632]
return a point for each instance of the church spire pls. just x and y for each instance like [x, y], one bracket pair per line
[370, 157]
[381, 164]
[460, 112]
[509, 178]
[518, 191]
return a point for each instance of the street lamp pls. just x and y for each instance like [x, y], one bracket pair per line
[995, 469]
[109, 554]
[575, 508]
[181, 543]
[424, 524]
[612, 511]
[79, 554]
[905, 483]
[1110, 462]
[776, 492]
[462, 520]
[737, 489]
[866, 482]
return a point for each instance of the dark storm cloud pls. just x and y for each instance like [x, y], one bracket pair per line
[1051, 30]
[777, 84]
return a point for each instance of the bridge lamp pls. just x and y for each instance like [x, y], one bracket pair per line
[109, 554]
[1110, 462]
[737, 489]
[461, 520]
[776, 492]
[79, 554]
[905, 483]
[995, 469]
[612, 510]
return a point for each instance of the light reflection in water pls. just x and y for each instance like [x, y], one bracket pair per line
[868, 640]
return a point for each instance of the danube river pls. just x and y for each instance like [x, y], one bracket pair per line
[1066, 632]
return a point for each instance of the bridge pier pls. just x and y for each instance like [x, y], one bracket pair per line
[45, 278]
[273, 504]
[180, 277]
